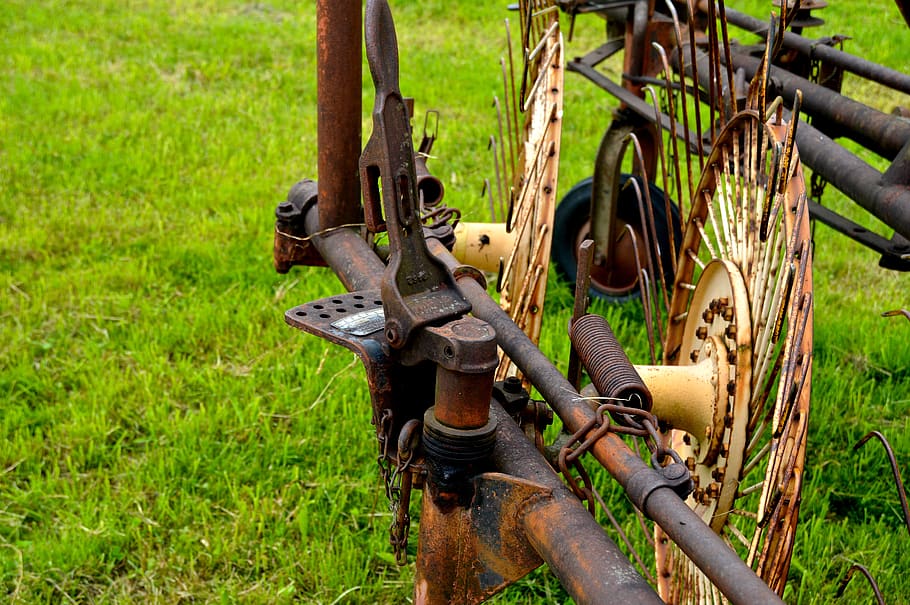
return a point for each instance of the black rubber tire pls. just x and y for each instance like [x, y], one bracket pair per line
[573, 212]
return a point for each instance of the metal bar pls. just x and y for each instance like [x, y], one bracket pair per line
[588, 564]
[633, 102]
[857, 232]
[817, 49]
[855, 178]
[349, 256]
[884, 134]
[644, 486]
[338, 77]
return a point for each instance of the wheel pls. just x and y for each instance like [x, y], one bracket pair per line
[743, 293]
[572, 225]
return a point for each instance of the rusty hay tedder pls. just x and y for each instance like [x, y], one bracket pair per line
[709, 440]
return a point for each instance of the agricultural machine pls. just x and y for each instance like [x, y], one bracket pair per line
[709, 440]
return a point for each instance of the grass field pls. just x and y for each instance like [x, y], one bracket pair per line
[165, 438]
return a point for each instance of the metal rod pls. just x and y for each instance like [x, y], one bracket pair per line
[817, 49]
[884, 134]
[855, 178]
[338, 77]
[592, 569]
[349, 256]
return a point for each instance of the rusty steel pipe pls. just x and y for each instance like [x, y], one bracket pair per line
[338, 78]
[884, 134]
[589, 565]
[817, 49]
[857, 179]
[349, 256]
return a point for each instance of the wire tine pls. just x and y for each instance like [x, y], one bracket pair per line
[854, 568]
[646, 212]
[672, 115]
[663, 173]
[510, 135]
[513, 98]
[499, 189]
[791, 135]
[645, 294]
[506, 174]
[902, 494]
[526, 50]
[728, 59]
[714, 83]
[694, 62]
[488, 191]
[645, 570]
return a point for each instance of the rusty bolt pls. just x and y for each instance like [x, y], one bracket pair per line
[701, 333]
[730, 332]
[686, 439]
[731, 357]
[713, 490]
[690, 463]
[693, 355]
[718, 474]
[708, 316]
[728, 420]
[512, 384]
[731, 390]
[728, 314]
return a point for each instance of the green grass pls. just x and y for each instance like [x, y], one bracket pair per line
[164, 437]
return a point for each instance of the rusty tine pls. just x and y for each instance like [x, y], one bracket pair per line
[865, 572]
[582, 284]
[897, 312]
[902, 494]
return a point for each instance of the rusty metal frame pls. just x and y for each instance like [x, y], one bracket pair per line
[510, 511]
[884, 195]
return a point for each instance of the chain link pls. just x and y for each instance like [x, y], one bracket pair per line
[635, 422]
[397, 473]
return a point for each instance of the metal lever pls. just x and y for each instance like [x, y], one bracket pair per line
[417, 290]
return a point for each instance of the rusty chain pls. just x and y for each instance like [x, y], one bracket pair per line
[634, 421]
[397, 472]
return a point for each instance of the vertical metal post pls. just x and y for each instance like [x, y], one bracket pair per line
[339, 120]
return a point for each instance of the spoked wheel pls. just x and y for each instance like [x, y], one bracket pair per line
[618, 281]
[742, 303]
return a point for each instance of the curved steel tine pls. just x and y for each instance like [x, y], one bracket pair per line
[901, 493]
[896, 313]
[510, 134]
[492, 145]
[663, 173]
[644, 286]
[487, 190]
[731, 89]
[502, 143]
[853, 569]
[651, 241]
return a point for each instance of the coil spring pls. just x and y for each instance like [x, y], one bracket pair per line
[611, 372]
